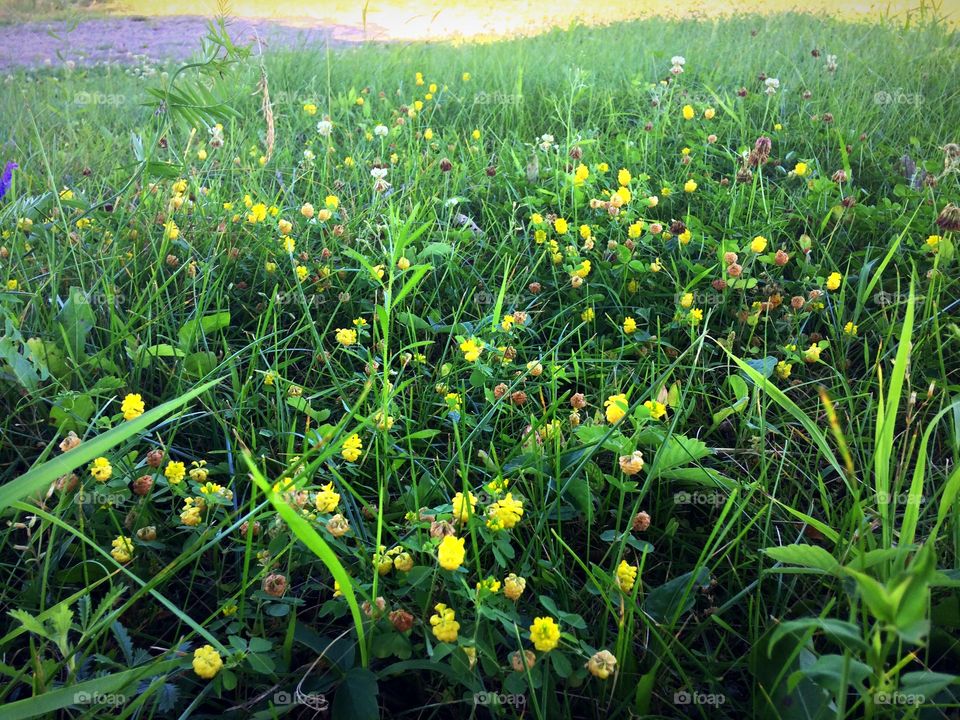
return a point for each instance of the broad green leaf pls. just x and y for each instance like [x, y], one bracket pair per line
[356, 696]
[808, 556]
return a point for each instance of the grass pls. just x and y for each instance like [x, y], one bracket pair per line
[792, 531]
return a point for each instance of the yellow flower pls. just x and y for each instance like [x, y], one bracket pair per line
[933, 242]
[101, 469]
[327, 499]
[471, 349]
[685, 237]
[352, 448]
[688, 112]
[695, 315]
[346, 336]
[466, 77]
[444, 624]
[581, 174]
[513, 586]
[122, 549]
[490, 585]
[302, 272]
[211, 488]
[12, 284]
[560, 225]
[709, 113]
[428, 134]
[850, 329]
[199, 471]
[284, 226]
[585, 232]
[784, 369]
[686, 301]
[170, 230]
[626, 576]
[812, 353]
[656, 266]
[588, 315]
[689, 186]
[833, 282]
[332, 202]
[450, 553]
[758, 244]
[310, 109]
[463, 509]
[635, 230]
[382, 423]
[190, 515]
[475, 134]
[800, 169]
[545, 633]
[132, 407]
[206, 662]
[624, 177]
[616, 406]
[258, 213]
[505, 513]
[583, 270]
[629, 325]
[621, 197]
[175, 472]
[657, 409]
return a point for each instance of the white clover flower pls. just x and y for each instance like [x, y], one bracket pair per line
[773, 84]
[381, 130]
[325, 127]
[378, 173]
[546, 141]
[678, 60]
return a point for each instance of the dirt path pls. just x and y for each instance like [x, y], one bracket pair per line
[123, 39]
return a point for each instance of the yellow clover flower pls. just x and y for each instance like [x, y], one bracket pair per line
[616, 407]
[207, 662]
[101, 469]
[444, 623]
[327, 499]
[451, 553]
[545, 633]
[132, 406]
[352, 448]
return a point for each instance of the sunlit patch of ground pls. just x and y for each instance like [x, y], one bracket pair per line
[451, 19]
